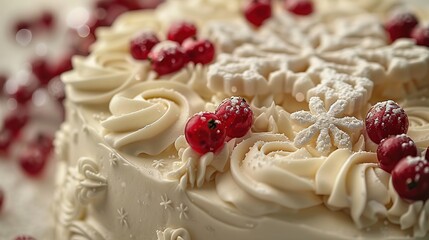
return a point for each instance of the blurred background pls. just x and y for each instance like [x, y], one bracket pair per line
[37, 40]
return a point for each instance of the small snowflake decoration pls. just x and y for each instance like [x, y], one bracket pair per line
[183, 211]
[157, 164]
[165, 202]
[326, 124]
[113, 159]
[123, 217]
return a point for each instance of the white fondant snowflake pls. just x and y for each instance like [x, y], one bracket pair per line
[326, 124]
[157, 164]
[334, 86]
[165, 202]
[183, 211]
[123, 217]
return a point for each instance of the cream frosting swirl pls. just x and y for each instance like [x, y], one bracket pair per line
[268, 172]
[147, 118]
[94, 80]
[195, 168]
[80, 230]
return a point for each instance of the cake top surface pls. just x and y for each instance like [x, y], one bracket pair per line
[309, 81]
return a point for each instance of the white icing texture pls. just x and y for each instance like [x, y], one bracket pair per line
[91, 183]
[173, 234]
[147, 118]
[331, 127]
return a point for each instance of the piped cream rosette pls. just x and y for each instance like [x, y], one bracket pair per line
[148, 117]
[94, 80]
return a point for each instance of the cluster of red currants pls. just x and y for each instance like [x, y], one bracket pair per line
[172, 58]
[258, 11]
[207, 132]
[406, 25]
[387, 125]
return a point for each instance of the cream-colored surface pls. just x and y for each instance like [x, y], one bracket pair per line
[148, 184]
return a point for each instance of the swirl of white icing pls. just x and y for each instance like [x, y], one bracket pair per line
[80, 230]
[61, 142]
[408, 215]
[148, 117]
[354, 181]
[116, 39]
[173, 234]
[268, 172]
[95, 79]
[418, 129]
[91, 183]
[272, 119]
[195, 168]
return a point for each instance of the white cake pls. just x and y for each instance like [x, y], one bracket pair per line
[124, 176]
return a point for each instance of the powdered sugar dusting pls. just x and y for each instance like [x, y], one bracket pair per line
[331, 128]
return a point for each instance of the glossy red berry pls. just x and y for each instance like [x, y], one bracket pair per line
[180, 31]
[47, 20]
[200, 51]
[299, 7]
[15, 120]
[237, 116]
[42, 70]
[421, 36]
[385, 119]
[44, 142]
[142, 44]
[168, 60]
[391, 150]
[401, 25]
[1, 199]
[33, 160]
[205, 133]
[410, 178]
[257, 12]
[23, 93]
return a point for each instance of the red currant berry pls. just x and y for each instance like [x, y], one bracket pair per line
[237, 116]
[1, 199]
[25, 237]
[33, 160]
[257, 11]
[410, 178]
[200, 51]
[299, 7]
[391, 150]
[23, 93]
[6, 139]
[385, 119]
[16, 120]
[401, 25]
[180, 31]
[44, 142]
[41, 69]
[47, 20]
[22, 25]
[421, 36]
[142, 44]
[168, 59]
[205, 133]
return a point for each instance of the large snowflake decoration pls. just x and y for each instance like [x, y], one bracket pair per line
[329, 126]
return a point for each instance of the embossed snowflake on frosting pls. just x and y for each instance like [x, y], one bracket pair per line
[334, 86]
[122, 217]
[330, 127]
